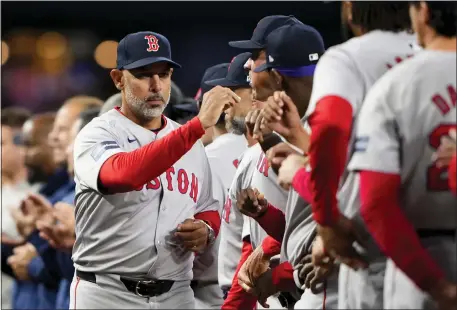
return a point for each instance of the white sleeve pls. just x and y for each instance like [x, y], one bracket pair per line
[377, 143]
[93, 146]
[337, 75]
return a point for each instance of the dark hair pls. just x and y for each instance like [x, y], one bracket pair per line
[443, 16]
[381, 15]
[15, 117]
[88, 114]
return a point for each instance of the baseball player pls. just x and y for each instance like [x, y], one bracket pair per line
[214, 72]
[296, 63]
[223, 153]
[290, 67]
[232, 225]
[144, 202]
[405, 198]
[342, 78]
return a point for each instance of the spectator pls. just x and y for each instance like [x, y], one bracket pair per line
[61, 233]
[14, 183]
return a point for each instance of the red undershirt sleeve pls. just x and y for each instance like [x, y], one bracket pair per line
[283, 277]
[300, 183]
[331, 124]
[452, 174]
[237, 298]
[395, 235]
[271, 246]
[273, 221]
[125, 172]
[212, 218]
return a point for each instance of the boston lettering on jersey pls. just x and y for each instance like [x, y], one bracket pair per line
[186, 184]
[262, 165]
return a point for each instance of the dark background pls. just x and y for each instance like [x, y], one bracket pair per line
[198, 32]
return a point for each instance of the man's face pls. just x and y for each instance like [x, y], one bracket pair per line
[235, 115]
[419, 17]
[260, 81]
[147, 90]
[72, 136]
[12, 152]
[58, 137]
[38, 153]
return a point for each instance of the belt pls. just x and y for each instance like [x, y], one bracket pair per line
[142, 288]
[428, 233]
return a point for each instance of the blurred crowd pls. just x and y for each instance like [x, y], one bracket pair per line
[38, 224]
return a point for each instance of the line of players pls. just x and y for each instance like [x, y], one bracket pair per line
[338, 193]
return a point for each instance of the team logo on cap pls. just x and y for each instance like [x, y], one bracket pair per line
[313, 57]
[153, 43]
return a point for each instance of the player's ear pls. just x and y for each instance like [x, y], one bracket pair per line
[118, 78]
[278, 79]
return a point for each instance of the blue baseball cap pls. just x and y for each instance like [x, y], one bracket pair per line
[214, 72]
[293, 50]
[143, 48]
[265, 26]
[237, 75]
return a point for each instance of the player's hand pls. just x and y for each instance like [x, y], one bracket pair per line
[278, 153]
[251, 203]
[446, 150]
[281, 115]
[20, 260]
[265, 288]
[445, 295]
[214, 103]
[193, 234]
[250, 121]
[289, 168]
[256, 264]
[60, 235]
[337, 242]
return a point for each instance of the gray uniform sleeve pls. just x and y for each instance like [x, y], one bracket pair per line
[93, 146]
[377, 143]
[337, 75]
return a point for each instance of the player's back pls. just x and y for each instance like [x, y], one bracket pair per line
[421, 103]
[223, 154]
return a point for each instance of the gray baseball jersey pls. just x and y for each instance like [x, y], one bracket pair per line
[347, 70]
[402, 121]
[223, 154]
[232, 222]
[132, 233]
[266, 181]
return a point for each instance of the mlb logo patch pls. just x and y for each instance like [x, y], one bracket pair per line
[248, 79]
[270, 59]
[313, 57]
[361, 144]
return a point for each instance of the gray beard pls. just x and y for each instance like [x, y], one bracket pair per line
[141, 109]
[237, 126]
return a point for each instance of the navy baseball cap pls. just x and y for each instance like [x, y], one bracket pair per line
[265, 26]
[237, 74]
[143, 48]
[214, 72]
[293, 50]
